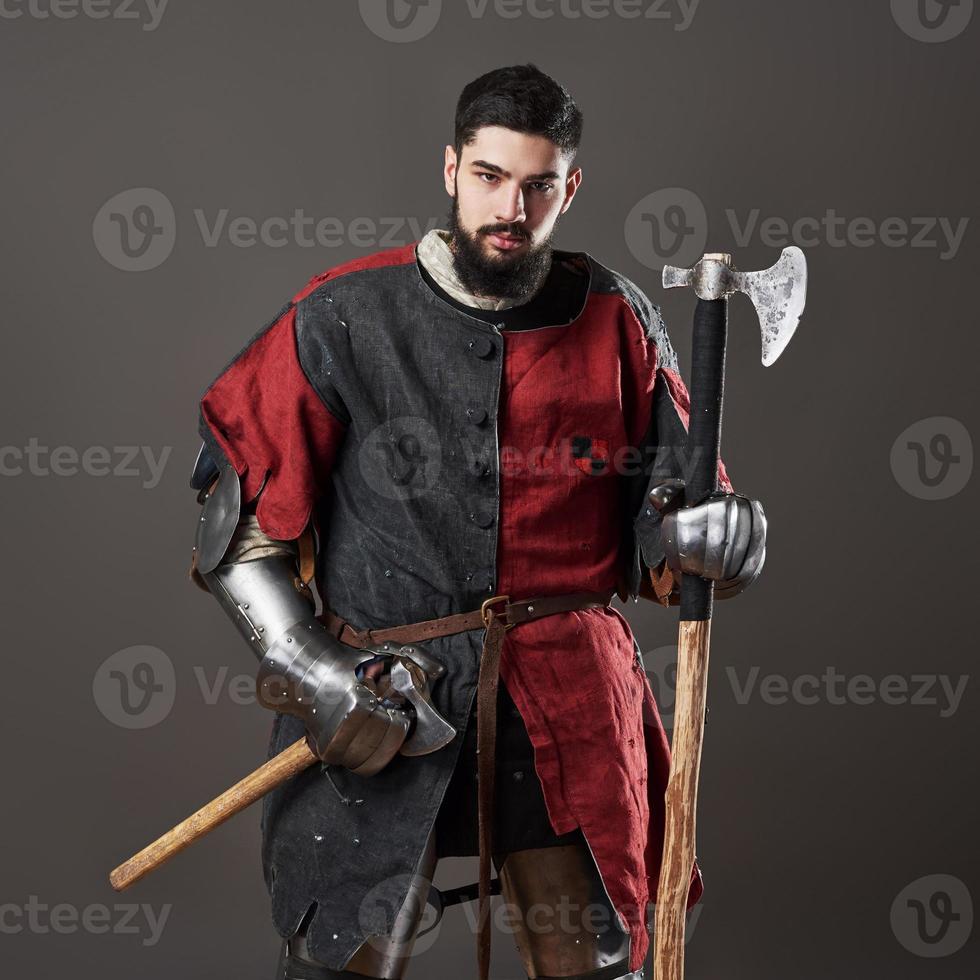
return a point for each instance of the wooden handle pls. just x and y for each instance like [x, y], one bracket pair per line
[681, 799]
[276, 771]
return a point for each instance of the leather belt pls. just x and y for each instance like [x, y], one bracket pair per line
[496, 615]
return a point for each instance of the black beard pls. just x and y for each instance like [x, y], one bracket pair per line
[502, 277]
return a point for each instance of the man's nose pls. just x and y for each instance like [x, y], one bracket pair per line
[510, 208]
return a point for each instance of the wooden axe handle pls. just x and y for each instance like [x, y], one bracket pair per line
[681, 799]
[709, 341]
[276, 771]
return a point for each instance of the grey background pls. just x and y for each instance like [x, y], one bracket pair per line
[813, 817]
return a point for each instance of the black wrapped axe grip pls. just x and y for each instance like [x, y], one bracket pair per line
[708, 343]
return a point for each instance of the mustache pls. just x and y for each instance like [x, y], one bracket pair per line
[504, 229]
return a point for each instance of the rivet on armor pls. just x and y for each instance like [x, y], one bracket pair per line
[530, 609]
[356, 842]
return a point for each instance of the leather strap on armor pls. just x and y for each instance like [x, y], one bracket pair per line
[497, 615]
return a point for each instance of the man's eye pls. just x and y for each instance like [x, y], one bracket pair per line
[542, 186]
[491, 178]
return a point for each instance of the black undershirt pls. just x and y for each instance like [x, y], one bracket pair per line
[558, 301]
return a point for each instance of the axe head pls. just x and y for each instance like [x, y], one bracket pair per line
[778, 293]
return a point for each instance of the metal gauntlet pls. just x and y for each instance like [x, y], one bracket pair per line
[309, 674]
[304, 670]
[723, 538]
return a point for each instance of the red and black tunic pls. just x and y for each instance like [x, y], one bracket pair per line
[443, 460]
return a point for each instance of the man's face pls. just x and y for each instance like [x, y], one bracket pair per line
[508, 191]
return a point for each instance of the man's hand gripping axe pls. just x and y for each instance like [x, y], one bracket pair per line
[411, 669]
[778, 295]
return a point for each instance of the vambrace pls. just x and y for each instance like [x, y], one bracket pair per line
[304, 670]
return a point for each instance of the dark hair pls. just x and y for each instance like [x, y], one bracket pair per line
[522, 98]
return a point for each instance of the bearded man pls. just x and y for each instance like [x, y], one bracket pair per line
[466, 447]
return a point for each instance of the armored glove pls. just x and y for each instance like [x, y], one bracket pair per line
[723, 538]
[309, 674]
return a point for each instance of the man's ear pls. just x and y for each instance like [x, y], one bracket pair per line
[571, 186]
[449, 171]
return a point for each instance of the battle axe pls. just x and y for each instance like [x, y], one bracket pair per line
[778, 295]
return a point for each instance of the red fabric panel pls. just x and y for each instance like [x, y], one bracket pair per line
[601, 753]
[270, 422]
[377, 260]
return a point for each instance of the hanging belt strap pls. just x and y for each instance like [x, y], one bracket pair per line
[496, 615]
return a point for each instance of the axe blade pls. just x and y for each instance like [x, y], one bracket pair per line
[777, 293]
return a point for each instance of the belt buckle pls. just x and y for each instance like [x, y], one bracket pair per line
[485, 611]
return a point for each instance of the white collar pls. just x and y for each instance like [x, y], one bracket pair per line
[436, 256]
